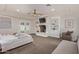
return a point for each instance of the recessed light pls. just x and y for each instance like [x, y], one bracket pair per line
[18, 10]
[52, 9]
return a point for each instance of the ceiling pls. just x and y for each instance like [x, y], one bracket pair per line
[22, 10]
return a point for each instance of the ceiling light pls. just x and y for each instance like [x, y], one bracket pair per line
[52, 9]
[17, 10]
[48, 4]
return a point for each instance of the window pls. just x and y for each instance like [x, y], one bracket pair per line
[24, 27]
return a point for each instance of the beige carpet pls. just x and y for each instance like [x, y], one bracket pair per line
[40, 45]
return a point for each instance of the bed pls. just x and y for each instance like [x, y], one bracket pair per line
[8, 42]
[66, 47]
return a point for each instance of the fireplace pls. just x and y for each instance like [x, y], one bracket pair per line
[42, 28]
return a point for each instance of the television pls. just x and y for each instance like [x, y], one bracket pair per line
[42, 20]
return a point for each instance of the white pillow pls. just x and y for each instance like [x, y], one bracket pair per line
[3, 37]
[21, 35]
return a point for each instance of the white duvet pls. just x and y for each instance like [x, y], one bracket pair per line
[7, 38]
[10, 41]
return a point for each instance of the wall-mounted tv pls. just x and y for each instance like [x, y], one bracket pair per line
[42, 20]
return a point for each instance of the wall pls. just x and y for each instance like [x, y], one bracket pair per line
[15, 23]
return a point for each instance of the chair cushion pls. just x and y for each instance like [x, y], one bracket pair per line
[66, 47]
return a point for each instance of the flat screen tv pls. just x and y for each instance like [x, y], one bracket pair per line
[42, 20]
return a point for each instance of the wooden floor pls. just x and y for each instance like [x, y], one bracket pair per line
[40, 45]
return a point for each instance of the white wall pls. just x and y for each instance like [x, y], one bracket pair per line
[15, 23]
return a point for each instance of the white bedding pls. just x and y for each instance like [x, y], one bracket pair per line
[66, 47]
[11, 41]
[7, 38]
